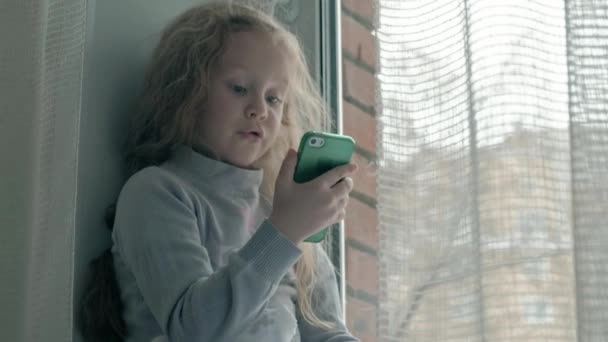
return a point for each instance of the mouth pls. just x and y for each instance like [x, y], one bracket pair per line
[254, 134]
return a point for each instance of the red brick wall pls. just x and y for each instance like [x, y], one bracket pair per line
[359, 121]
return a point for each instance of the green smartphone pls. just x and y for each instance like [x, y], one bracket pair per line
[318, 153]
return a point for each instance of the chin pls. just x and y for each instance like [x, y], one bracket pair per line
[245, 163]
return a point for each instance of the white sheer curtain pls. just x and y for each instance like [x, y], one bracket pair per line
[493, 185]
[41, 59]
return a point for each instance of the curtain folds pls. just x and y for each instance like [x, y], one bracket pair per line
[41, 69]
[493, 184]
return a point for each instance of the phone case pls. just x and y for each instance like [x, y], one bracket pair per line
[315, 159]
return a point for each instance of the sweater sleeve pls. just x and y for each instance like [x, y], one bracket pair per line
[158, 238]
[326, 305]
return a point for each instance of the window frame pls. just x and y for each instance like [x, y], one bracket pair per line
[330, 78]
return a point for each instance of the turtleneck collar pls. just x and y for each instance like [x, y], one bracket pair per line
[212, 173]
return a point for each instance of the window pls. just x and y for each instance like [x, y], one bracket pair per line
[537, 269]
[537, 310]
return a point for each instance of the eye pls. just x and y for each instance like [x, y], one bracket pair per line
[274, 100]
[237, 89]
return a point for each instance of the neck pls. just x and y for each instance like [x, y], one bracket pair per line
[207, 152]
[209, 171]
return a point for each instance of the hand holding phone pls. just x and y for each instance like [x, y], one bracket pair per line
[309, 194]
[318, 153]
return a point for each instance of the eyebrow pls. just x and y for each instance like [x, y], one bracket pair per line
[237, 67]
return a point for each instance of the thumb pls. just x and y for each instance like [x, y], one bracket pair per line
[289, 165]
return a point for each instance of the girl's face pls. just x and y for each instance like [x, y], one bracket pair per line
[246, 93]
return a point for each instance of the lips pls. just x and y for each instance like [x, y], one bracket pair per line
[253, 133]
[256, 133]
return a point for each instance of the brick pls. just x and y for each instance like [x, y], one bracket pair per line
[361, 319]
[360, 125]
[361, 270]
[365, 177]
[361, 223]
[359, 84]
[358, 41]
[361, 8]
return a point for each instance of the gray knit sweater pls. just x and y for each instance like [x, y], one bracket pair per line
[196, 260]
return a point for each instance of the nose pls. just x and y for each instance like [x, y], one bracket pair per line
[256, 108]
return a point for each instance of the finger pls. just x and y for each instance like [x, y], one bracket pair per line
[343, 188]
[333, 176]
[347, 180]
[343, 203]
[349, 183]
[289, 165]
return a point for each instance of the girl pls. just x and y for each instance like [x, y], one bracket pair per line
[200, 251]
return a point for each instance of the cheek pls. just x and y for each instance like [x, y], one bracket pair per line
[281, 116]
[273, 131]
[210, 126]
[276, 125]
